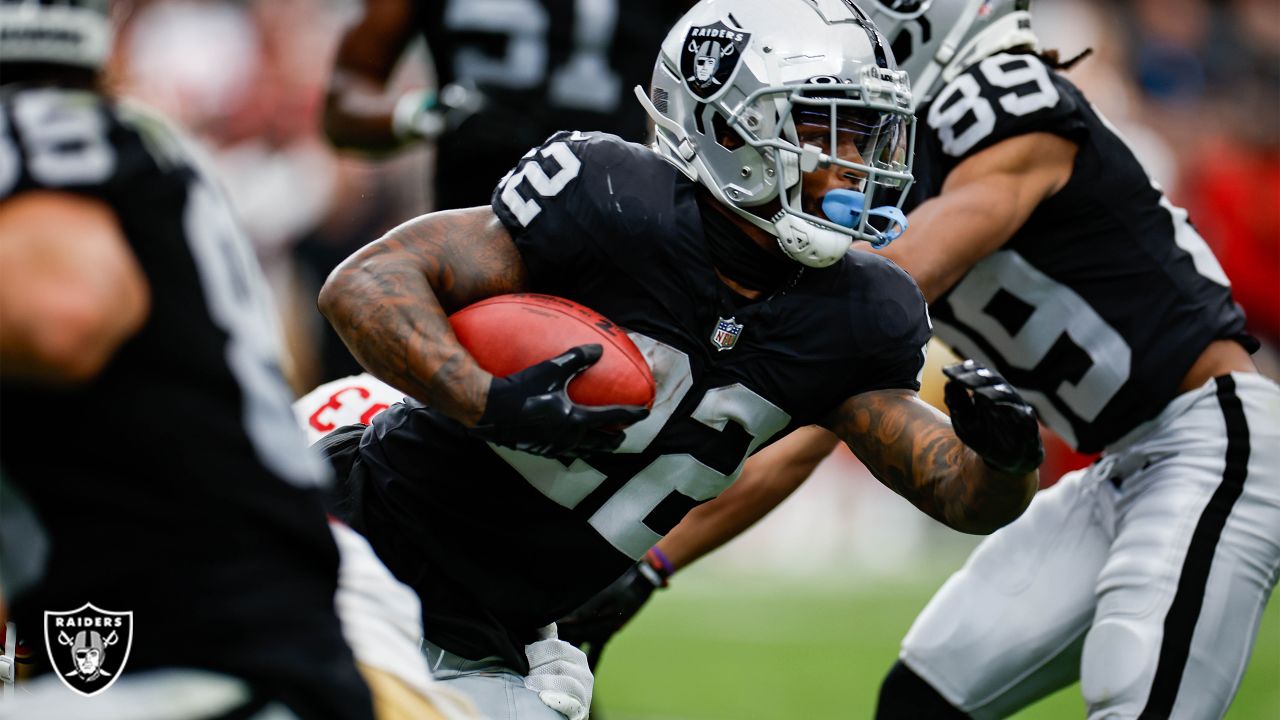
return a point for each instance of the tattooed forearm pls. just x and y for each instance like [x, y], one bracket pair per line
[390, 301]
[911, 448]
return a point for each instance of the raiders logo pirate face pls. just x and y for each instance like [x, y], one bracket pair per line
[710, 56]
[88, 646]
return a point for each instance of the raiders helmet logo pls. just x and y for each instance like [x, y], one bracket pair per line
[88, 647]
[710, 56]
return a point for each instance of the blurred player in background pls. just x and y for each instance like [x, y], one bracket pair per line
[1048, 253]
[509, 73]
[725, 254]
[128, 293]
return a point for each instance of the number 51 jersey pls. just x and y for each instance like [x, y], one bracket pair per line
[1099, 304]
[499, 542]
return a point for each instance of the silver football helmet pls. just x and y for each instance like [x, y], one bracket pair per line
[751, 98]
[64, 32]
[935, 40]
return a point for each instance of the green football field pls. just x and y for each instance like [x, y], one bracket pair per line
[717, 646]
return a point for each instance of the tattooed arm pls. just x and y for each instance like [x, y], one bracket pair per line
[390, 301]
[911, 447]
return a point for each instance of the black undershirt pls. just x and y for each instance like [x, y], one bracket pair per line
[739, 258]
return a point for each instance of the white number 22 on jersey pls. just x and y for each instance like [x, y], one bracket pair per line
[544, 185]
[620, 520]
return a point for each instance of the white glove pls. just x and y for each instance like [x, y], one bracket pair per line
[559, 673]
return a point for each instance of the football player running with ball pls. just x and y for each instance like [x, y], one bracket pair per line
[1047, 252]
[783, 136]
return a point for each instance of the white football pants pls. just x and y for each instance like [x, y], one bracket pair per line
[1144, 576]
[497, 691]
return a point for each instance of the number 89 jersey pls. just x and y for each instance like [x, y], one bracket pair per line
[1099, 304]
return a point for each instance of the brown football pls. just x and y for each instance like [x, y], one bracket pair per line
[508, 333]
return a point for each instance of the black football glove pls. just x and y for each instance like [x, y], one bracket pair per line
[591, 625]
[992, 418]
[531, 411]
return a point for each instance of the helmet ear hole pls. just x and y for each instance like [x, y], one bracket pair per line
[726, 137]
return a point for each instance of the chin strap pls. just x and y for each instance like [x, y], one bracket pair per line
[848, 209]
[808, 243]
[739, 258]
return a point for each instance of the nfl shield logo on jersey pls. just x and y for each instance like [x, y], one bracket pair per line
[726, 333]
[88, 647]
[710, 56]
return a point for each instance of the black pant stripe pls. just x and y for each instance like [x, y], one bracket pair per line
[1180, 623]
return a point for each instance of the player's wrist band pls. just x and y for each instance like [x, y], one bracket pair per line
[660, 563]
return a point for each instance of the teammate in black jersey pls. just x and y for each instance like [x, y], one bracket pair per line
[510, 73]
[725, 255]
[144, 414]
[1047, 252]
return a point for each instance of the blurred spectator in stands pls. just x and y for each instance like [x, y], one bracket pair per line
[248, 78]
[507, 74]
[1170, 47]
[1105, 76]
[1233, 191]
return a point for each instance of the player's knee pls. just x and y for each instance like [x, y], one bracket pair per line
[905, 695]
[1114, 672]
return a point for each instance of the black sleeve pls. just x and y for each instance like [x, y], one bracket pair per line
[899, 371]
[540, 203]
[579, 201]
[891, 323]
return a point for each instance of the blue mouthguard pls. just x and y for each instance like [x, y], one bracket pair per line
[845, 208]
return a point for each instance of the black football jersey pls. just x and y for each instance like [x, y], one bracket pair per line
[1098, 306]
[499, 542]
[541, 66]
[174, 485]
